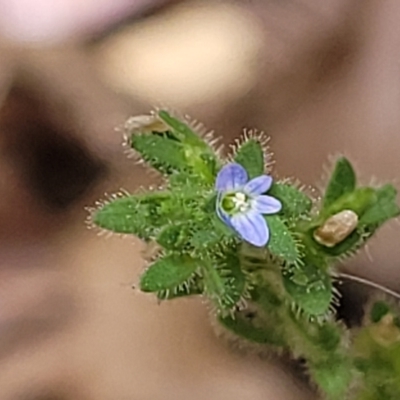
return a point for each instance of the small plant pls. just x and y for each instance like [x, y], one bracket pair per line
[262, 251]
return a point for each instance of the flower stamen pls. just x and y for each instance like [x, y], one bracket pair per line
[241, 202]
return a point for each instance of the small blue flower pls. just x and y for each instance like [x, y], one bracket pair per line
[241, 203]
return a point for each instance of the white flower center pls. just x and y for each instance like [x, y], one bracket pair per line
[240, 201]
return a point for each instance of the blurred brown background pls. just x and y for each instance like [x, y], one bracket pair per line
[320, 78]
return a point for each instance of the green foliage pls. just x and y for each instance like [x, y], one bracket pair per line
[329, 337]
[379, 310]
[182, 132]
[250, 156]
[383, 209]
[224, 281]
[376, 351]
[359, 201]
[250, 329]
[178, 149]
[167, 273]
[279, 297]
[137, 215]
[209, 233]
[294, 202]
[373, 207]
[192, 287]
[173, 237]
[342, 181]
[160, 151]
[282, 244]
[310, 288]
[333, 377]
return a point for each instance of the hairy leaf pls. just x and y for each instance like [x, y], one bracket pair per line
[198, 154]
[224, 282]
[359, 200]
[210, 232]
[294, 201]
[384, 208]
[329, 336]
[333, 376]
[281, 241]
[192, 287]
[173, 237]
[161, 152]
[168, 273]
[244, 328]
[342, 181]
[310, 288]
[250, 156]
[182, 131]
[137, 215]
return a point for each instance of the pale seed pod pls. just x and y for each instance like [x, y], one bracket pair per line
[336, 228]
[145, 123]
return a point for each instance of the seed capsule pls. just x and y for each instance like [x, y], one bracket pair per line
[336, 228]
[145, 123]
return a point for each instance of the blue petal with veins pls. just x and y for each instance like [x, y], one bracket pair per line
[247, 201]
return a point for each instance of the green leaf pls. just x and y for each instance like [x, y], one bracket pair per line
[310, 288]
[251, 157]
[193, 287]
[177, 150]
[137, 215]
[281, 242]
[182, 131]
[224, 282]
[378, 311]
[161, 152]
[294, 202]
[333, 376]
[243, 327]
[203, 165]
[329, 336]
[360, 200]
[210, 232]
[262, 323]
[384, 208]
[342, 181]
[183, 180]
[173, 237]
[168, 273]
[204, 238]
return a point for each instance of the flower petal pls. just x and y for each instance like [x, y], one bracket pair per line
[266, 205]
[258, 185]
[231, 176]
[252, 227]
